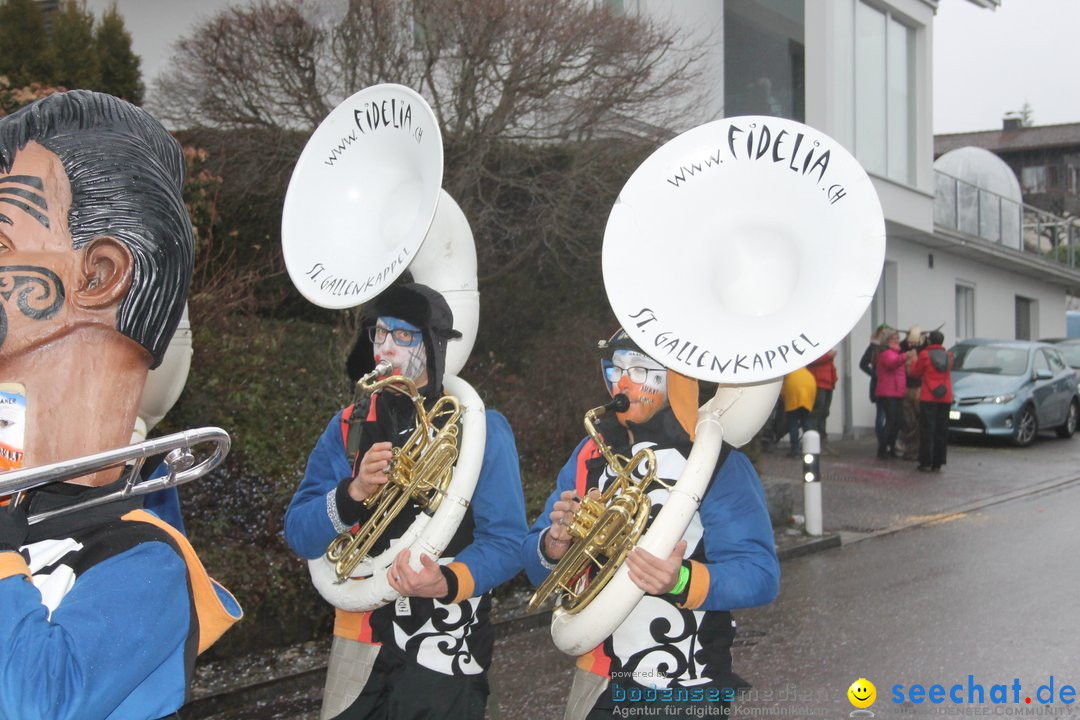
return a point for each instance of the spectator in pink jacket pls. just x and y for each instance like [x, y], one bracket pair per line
[891, 387]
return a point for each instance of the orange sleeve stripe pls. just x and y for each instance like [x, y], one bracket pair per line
[212, 615]
[11, 564]
[353, 626]
[699, 586]
[595, 661]
[466, 586]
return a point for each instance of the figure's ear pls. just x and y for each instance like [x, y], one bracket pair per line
[107, 267]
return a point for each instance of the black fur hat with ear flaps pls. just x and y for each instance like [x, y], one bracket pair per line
[416, 304]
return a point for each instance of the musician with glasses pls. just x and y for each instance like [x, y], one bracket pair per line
[103, 609]
[426, 655]
[674, 650]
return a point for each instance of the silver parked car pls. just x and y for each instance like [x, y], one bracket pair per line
[1012, 388]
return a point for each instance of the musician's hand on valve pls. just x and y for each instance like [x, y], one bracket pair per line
[654, 575]
[557, 539]
[428, 583]
[13, 528]
[372, 471]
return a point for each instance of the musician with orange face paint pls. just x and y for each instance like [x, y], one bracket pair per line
[673, 651]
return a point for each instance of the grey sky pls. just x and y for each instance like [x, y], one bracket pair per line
[986, 63]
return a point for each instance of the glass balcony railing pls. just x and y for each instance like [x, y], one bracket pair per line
[972, 210]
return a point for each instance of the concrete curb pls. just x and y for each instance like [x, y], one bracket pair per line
[809, 546]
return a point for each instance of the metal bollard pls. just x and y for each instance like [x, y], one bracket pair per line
[811, 465]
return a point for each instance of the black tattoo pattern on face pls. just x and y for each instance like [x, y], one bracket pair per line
[22, 198]
[416, 362]
[38, 293]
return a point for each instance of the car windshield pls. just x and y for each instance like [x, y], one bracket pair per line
[1071, 353]
[991, 359]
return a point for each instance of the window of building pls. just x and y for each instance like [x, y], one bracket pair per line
[764, 58]
[1027, 321]
[884, 93]
[965, 312]
[1033, 179]
[1072, 173]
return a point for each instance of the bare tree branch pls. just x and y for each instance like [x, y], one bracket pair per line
[536, 100]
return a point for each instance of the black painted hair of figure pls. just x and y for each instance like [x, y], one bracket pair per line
[937, 337]
[126, 174]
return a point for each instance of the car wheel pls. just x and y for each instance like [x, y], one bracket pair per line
[1067, 430]
[1026, 427]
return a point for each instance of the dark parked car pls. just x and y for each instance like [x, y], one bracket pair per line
[1012, 388]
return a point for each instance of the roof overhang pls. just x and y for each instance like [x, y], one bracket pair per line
[990, 253]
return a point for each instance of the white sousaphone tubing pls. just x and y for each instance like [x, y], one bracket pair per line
[362, 196]
[773, 233]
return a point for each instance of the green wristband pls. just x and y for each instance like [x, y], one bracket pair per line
[684, 580]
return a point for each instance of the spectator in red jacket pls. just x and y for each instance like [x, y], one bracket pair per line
[891, 386]
[824, 371]
[934, 366]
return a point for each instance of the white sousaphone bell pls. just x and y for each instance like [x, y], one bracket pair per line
[363, 205]
[771, 240]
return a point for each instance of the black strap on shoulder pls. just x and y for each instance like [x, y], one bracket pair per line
[355, 422]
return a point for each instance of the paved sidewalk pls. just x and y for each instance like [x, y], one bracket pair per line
[863, 496]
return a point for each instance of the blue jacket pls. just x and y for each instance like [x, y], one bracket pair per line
[742, 567]
[106, 628]
[730, 553]
[494, 529]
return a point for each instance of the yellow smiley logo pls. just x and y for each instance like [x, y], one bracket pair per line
[862, 693]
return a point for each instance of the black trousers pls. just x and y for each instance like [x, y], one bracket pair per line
[933, 433]
[894, 420]
[399, 689]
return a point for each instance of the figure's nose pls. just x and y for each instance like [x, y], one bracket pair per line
[624, 383]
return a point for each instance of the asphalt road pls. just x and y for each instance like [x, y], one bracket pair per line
[990, 593]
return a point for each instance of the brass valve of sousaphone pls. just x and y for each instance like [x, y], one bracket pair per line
[604, 528]
[420, 469]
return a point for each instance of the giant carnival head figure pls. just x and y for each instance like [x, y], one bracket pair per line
[96, 255]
